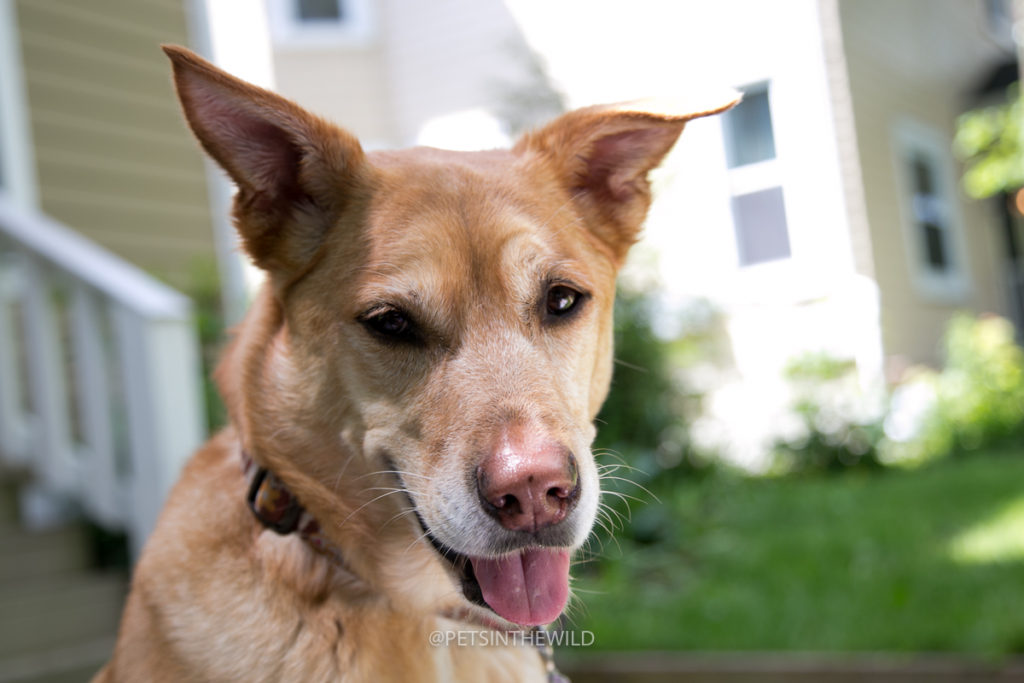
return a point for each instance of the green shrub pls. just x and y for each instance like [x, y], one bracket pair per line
[840, 431]
[204, 290]
[979, 394]
[976, 401]
[643, 442]
[990, 142]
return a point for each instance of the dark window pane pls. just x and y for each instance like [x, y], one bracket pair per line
[748, 131]
[761, 233]
[319, 10]
[935, 246]
[923, 180]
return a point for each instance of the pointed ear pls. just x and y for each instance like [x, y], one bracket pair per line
[293, 170]
[603, 154]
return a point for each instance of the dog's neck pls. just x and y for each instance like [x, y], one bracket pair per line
[277, 508]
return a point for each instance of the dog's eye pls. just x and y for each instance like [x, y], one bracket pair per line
[390, 323]
[562, 300]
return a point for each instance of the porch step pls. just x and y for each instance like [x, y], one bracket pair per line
[28, 555]
[54, 613]
[75, 664]
[58, 614]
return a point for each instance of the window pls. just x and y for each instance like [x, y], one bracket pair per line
[758, 206]
[319, 11]
[929, 214]
[926, 179]
[320, 23]
[758, 203]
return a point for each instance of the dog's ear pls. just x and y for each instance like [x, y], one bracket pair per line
[294, 171]
[603, 154]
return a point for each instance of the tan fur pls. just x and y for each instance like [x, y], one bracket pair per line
[464, 243]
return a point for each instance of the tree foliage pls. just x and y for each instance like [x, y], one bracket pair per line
[990, 142]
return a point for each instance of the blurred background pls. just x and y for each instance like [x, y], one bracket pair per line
[815, 437]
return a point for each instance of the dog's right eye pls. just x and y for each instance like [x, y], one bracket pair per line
[389, 323]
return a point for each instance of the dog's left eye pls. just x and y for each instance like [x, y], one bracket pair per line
[562, 300]
[390, 323]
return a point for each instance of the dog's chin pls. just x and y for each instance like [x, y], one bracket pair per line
[461, 567]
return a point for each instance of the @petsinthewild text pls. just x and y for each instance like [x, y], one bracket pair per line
[536, 638]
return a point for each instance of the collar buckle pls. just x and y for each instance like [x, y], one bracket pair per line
[272, 504]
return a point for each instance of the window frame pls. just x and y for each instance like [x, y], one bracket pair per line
[912, 140]
[356, 28]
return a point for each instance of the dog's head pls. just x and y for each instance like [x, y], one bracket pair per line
[435, 324]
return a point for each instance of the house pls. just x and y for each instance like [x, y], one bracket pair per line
[105, 208]
[823, 215]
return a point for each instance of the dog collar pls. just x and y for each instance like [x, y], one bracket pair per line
[276, 508]
[279, 510]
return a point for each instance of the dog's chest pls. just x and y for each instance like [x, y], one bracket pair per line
[337, 641]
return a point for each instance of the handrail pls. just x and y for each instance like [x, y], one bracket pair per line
[99, 373]
[87, 261]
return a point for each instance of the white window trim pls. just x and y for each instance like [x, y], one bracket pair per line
[289, 33]
[17, 159]
[952, 286]
[763, 175]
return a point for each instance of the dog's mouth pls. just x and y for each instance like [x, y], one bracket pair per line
[528, 587]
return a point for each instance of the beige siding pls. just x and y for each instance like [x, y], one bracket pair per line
[917, 59]
[346, 84]
[114, 158]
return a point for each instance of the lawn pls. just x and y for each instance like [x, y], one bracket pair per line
[929, 560]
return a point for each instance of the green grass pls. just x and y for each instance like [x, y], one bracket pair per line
[929, 560]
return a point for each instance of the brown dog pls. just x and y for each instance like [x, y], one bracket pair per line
[421, 374]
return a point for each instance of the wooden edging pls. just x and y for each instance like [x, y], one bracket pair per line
[661, 667]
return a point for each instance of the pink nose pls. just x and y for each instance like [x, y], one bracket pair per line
[526, 483]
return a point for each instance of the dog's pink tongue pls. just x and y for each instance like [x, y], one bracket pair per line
[529, 588]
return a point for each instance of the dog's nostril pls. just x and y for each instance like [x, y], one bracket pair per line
[558, 492]
[569, 486]
[508, 504]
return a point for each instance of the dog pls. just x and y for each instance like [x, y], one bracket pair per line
[412, 398]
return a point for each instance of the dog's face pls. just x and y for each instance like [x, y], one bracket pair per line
[478, 333]
[445, 317]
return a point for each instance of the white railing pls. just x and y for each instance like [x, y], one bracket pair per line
[100, 392]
